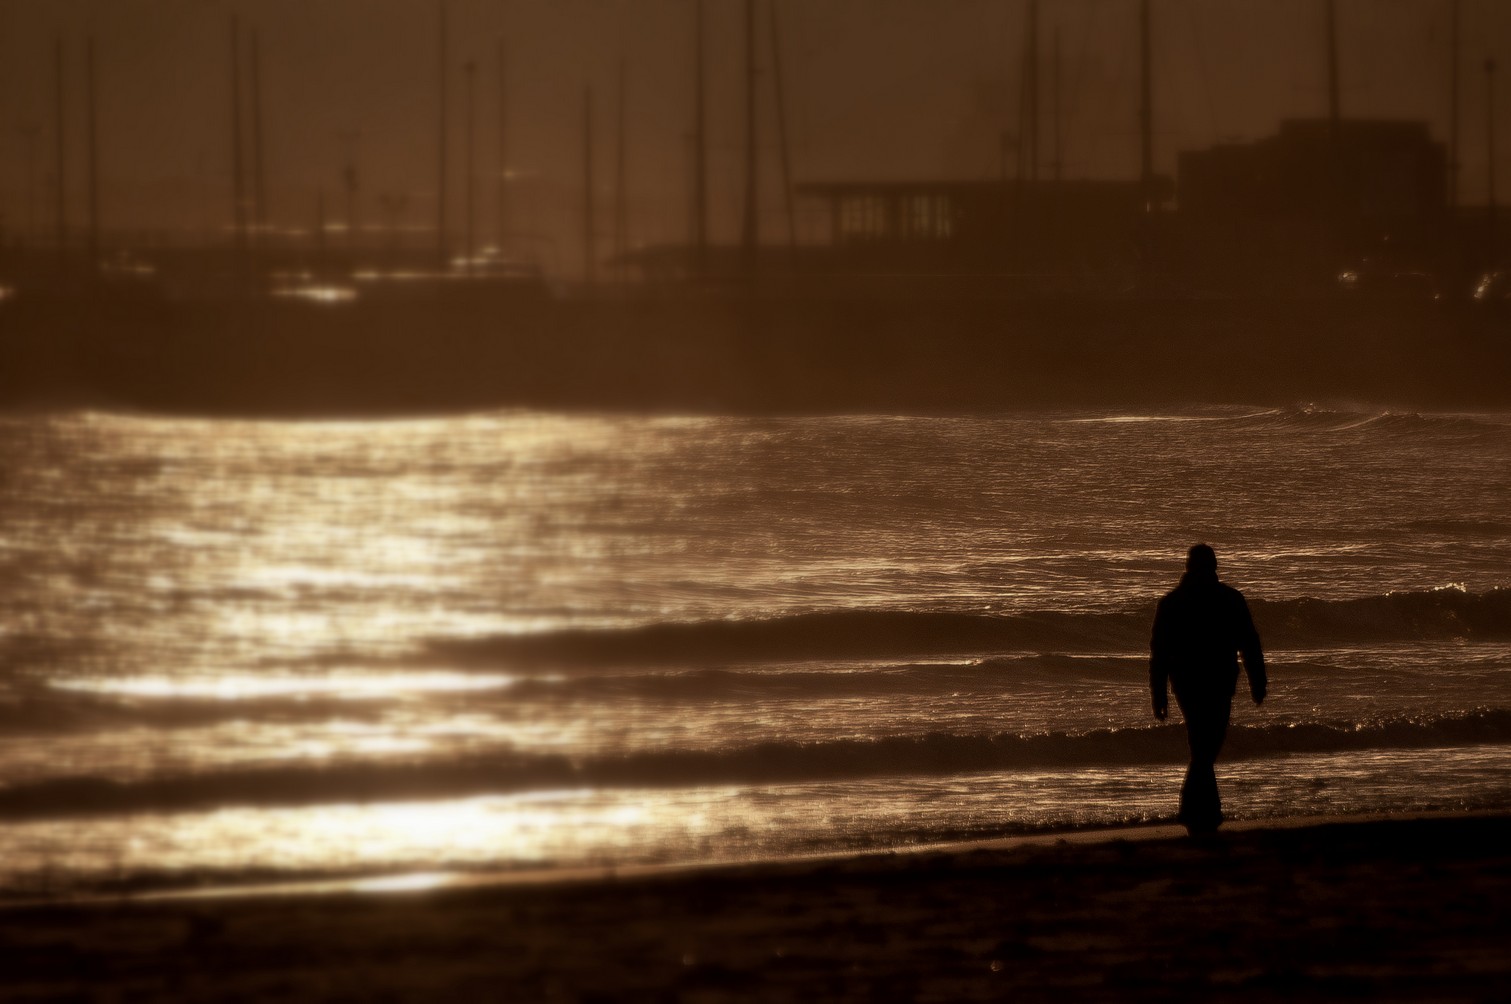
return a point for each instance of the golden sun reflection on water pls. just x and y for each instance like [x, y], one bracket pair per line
[404, 883]
[236, 687]
[422, 842]
[526, 830]
[255, 539]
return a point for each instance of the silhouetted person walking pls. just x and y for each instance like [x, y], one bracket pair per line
[1199, 629]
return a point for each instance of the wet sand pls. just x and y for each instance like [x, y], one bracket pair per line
[1391, 909]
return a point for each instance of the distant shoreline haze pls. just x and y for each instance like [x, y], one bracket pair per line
[347, 103]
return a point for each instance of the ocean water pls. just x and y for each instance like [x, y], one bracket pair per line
[266, 650]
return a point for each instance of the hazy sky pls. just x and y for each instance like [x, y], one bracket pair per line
[875, 89]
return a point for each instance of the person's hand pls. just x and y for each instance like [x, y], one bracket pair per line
[1161, 708]
[1258, 695]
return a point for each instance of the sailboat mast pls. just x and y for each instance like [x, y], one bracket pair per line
[440, 197]
[1453, 106]
[1332, 68]
[470, 177]
[1026, 95]
[238, 181]
[700, 146]
[503, 146]
[1146, 109]
[1059, 162]
[60, 191]
[1490, 209]
[259, 192]
[621, 209]
[781, 122]
[588, 271]
[1033, 89]
[751, 228]
[94, 173]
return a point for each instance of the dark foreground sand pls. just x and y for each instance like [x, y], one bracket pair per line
[1401, 909]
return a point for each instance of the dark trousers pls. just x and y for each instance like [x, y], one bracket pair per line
[1206, 718]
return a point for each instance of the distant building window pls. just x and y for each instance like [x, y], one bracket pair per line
[863, 218]
[930, 217]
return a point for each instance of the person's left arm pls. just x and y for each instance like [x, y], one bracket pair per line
[1252, 652]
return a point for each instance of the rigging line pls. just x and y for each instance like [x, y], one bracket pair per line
[921, 21]
[1102, 59]
[1200, 50]
[940, 58]
[1070, 109]
[1107, 123]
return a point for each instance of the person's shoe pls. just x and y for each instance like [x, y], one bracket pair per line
[1203, 827]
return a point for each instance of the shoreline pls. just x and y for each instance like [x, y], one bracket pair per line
[1399, 907]
[400, 883]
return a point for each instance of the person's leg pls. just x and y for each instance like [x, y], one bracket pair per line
[1206, 728]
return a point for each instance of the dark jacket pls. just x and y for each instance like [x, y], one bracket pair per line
[1199, 629]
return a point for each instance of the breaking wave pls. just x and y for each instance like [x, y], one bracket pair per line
[1438, 614]
[775, 762]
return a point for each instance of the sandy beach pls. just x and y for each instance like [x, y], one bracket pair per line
[1380, 909]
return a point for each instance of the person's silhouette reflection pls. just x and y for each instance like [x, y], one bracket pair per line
[1199, 628]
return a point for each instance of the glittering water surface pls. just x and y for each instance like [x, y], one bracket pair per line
[522, 639]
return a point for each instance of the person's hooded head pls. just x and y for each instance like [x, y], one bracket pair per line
[1201, 564]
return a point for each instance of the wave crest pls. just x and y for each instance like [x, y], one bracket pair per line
[859, 634]
[774, 762]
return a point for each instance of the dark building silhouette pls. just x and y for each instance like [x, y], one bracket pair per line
[1285, 213]
[1315, 199]
[1012, 236]
[1076, 235]
[1387, 173]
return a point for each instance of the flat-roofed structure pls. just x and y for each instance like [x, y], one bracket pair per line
[1387, 172]
[1043, 227]
[1317, 198]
